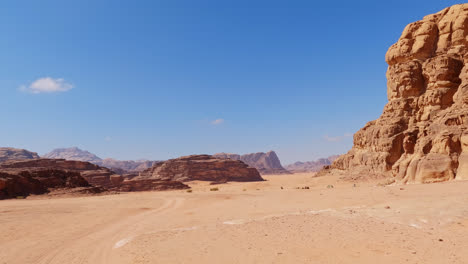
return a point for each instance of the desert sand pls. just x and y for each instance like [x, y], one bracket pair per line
[255, 222]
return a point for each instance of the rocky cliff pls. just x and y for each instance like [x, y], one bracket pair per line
[422, 135]
[265, 163]
[311, 166]
[16, 154]
[202, 168]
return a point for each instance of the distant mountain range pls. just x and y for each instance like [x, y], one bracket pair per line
[311, 166]
[265, 163]
[119, 166]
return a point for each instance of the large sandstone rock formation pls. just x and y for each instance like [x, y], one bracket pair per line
[39, 176]
[16, 154]
[202, 168]
[311, 166]
[265, 163]
[119, 166]
[22, 178]
[422, 135]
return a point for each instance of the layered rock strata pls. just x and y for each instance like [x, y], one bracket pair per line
[201, 168]
[421, 136]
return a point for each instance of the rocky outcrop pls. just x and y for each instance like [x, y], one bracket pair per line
[421, 136]
[125, 184]
[39, 176]
[16, 154]
[265, 163]
[18, 178]
[201, 168]
[118, 166]
[310, 166]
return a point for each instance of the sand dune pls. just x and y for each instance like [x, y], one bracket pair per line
[256, 222]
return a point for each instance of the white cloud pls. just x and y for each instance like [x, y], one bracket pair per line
[218, 121]
[337, 138]
[47, 85]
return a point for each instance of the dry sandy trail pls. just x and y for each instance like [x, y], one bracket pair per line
[244, 223]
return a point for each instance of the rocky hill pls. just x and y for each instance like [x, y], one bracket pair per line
[310, 166]
[265, 163]
[16, 154]
[422, 135]
[201, 168]
[119, 166]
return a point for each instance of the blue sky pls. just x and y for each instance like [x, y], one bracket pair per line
[161, 79]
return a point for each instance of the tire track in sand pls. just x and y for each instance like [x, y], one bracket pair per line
[96, 244]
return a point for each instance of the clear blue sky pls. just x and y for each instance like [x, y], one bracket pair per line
[149, 79]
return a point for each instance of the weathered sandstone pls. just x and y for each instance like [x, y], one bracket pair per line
[421, 136]
[19, 178]
[39, 176]
[202, 168]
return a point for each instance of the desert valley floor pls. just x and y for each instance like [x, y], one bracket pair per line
[244, 223]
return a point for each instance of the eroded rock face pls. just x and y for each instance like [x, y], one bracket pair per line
[39, 176]
[202, 168]
[16, 154]
[19, 178]
[421, 136]
[265, 163]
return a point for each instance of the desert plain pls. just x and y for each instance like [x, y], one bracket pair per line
[298, 218]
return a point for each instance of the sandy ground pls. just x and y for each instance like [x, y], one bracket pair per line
[244, 223]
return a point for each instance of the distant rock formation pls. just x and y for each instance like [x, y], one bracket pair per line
[126, 165]
[311, 166]
[16, 154]
[39, 176]
[23, 178]
[73, 153]
[119, 166]
[265, 163]
[201, 168]
[422, 135]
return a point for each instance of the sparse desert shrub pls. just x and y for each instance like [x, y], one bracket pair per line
[189, 190]
[20, 197]
[214, 189]
[244, 190]
[330, 186]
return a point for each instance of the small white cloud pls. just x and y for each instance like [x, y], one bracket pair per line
[337, 138]
[107, 139]
[47, 85]
[218, 121]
